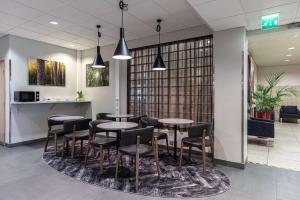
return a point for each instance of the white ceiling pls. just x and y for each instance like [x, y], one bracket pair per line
[225, 14]
[271, 49]
[77, 20]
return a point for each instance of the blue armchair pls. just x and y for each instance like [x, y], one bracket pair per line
[289, 112]
[261, 127]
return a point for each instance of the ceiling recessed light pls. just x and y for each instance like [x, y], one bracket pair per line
[287, 60]
[53, 22]
[288, 55]
[291, 48]
[72, 45]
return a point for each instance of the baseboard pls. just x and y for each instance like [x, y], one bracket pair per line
[230, 164]
[185, 151]
[25, 142]
[217, 161]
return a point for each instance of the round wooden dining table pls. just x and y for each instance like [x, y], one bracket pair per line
[66, 118]
[117, 127]
[175, 122]
[120, 116]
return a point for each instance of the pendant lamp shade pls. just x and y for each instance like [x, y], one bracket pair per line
[122, 52]
[98, 61]
[159, 64]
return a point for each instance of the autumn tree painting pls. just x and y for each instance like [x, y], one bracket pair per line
[96, 77]
[48, 73]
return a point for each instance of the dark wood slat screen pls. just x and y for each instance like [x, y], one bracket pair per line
[184, 90]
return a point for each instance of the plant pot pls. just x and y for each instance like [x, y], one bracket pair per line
[263, 115]
[258, 115]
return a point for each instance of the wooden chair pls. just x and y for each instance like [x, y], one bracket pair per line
[136, 143]
[76, 130]
[136, 119]
[149, 121]
[54, 132]
[103, 116]
[97, 141]
[199, 136]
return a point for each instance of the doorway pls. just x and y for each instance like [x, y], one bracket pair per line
[274, 129]
[2, 101]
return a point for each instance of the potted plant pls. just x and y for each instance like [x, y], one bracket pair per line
[80, 95]
[266, 97]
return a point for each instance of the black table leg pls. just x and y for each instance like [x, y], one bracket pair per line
[118, 139]
[175, 142]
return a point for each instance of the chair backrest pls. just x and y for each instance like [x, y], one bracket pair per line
[104, 116]
[80, 125]
[93, 126]
[290, 109]
[197, 130]
[136, 119]
[150, 121]
[52, 122]
[129, 137]
[101, 115]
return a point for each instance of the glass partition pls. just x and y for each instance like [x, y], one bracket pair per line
[184, 90]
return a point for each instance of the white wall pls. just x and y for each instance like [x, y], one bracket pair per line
[22, 49]
[103, 98]
[4, 44]
[229, 46]
[291, 74]
[29, 122]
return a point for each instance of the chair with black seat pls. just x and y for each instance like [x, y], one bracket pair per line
[150, 121]
[76, 130]
[96, 141]
[104, 116]
[136, 143]
[136, 119]
[199, 136]
[54, 132]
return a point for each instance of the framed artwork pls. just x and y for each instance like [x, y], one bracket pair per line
[96, 77]
[45, 72]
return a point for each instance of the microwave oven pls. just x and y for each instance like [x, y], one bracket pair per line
[25, 96]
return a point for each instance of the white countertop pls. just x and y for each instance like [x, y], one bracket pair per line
[46, 102]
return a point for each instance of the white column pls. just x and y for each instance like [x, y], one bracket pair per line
[121, 86]
[230, 95]
[117, 79]
[79, 70]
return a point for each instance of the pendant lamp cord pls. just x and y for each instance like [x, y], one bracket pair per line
[99, 34]
[158, 29]
[124, 7]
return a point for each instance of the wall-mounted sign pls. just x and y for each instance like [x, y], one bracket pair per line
[269, 21]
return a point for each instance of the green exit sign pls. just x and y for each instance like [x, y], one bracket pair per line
[269, 22]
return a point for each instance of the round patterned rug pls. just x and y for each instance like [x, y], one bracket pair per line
[187, 182]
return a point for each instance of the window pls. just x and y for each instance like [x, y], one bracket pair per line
[184, 90]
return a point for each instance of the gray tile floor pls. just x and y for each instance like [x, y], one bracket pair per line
[24, 176]
[284, 153]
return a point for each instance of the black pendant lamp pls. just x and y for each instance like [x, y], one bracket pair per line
[98, 61]
[122, 51]
[159, 64]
